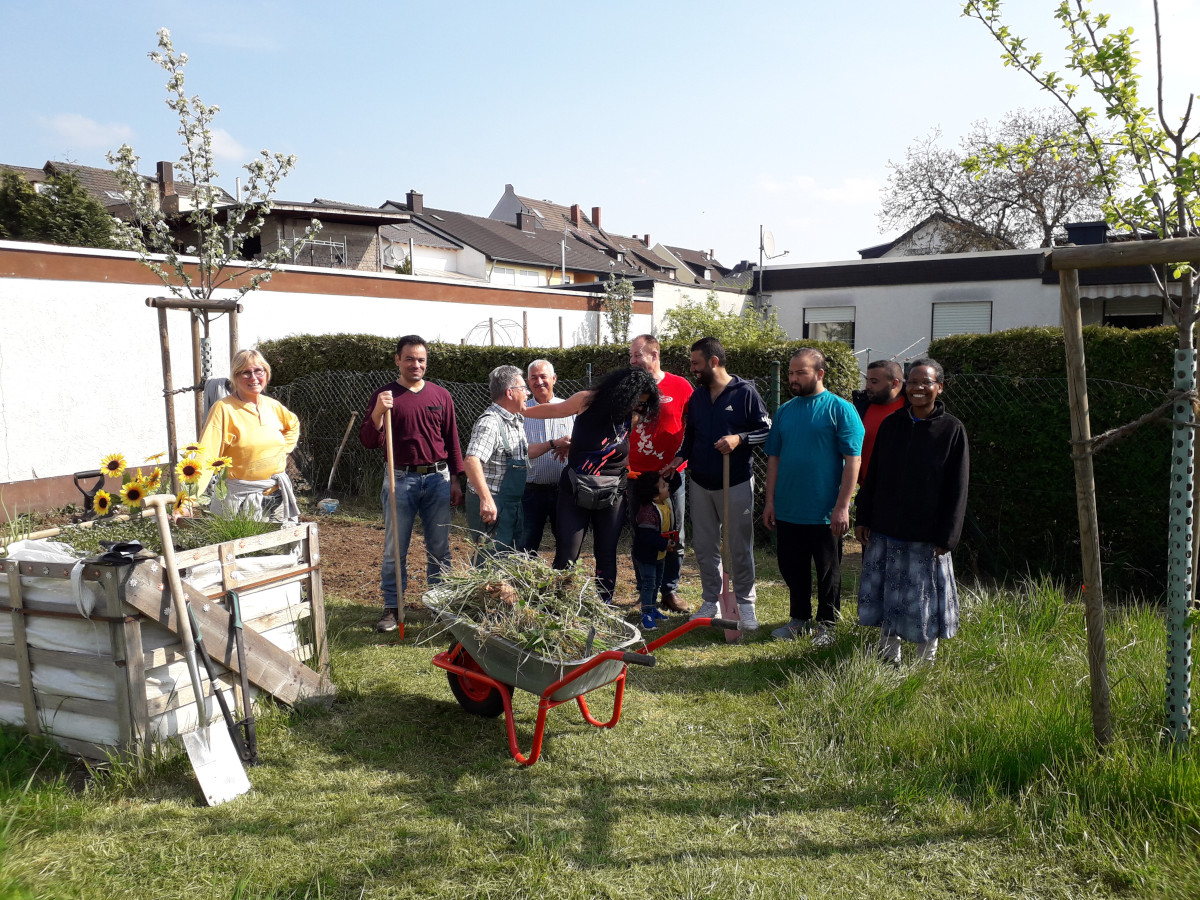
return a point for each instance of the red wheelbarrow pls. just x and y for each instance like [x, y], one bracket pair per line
[483, 675]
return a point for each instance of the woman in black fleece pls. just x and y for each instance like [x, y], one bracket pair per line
[909, 517]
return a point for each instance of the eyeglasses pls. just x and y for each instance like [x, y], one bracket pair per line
[257, 373]
[924, 384]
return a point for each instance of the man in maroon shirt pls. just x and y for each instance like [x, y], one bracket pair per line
[652, 448]
[428, 465]
[882, 396]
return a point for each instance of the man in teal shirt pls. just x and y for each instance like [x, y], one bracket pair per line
[812, 466]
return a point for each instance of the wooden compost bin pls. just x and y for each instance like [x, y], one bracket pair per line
[116, 682]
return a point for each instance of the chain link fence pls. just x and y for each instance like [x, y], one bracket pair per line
[325, 402]
[1022, 515]
[1022, 495]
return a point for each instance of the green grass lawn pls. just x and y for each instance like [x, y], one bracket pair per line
[763, 770]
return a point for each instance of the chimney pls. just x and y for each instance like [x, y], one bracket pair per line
[526, 221]
[1080, 233]
[167, 198]
[576, 215]
[596, 216]
[646, 240]
[710, 253]
[416, 202]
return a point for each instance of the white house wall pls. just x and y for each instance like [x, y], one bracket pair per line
[896, 320]
[80, 370]
[669, 294]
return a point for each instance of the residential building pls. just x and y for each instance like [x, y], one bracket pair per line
[891, 307]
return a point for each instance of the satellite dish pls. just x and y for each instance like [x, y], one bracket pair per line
[768, 243]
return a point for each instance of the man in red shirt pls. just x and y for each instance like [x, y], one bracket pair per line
[652, 449]
[428, 461]
[882, 396]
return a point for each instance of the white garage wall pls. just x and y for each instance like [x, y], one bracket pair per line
[81, 372]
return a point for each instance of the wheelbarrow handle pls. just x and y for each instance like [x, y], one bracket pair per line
[638, 659]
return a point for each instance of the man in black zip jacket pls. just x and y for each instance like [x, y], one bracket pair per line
[726, 416]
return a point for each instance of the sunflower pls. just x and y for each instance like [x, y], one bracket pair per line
[134, 493]
[182, 502]
[193, 449]
[153, 480]
[113, 465]
[157, 457]
[102, 503]
[220, 465]
[190, 470]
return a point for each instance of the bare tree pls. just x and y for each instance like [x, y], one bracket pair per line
[1021, 202]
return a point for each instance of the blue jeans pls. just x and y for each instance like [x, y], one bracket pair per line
[649, 580]
[674, 560]
[429, 497]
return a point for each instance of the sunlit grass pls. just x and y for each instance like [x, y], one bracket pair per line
[767, 769]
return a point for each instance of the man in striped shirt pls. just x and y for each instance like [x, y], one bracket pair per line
[541, 488]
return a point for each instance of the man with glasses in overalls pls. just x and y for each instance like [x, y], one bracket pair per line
[496, 463]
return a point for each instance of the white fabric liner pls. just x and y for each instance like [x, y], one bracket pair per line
[92, 638]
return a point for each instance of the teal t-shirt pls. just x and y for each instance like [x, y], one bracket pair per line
[810, 435]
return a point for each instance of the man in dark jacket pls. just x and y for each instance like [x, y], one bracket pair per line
[726, 417]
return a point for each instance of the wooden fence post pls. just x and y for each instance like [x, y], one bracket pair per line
[1085, 498]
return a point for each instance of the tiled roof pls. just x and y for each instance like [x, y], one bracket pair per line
[503, 242]
[104, 186]
[421, 236]
[33, 176]
[556, 217]
[698, 261]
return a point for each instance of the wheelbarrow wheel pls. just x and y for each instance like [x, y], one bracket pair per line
[475, 697]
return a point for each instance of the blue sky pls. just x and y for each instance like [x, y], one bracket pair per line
[694, 122]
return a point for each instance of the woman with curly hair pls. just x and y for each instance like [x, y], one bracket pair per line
[591, 492]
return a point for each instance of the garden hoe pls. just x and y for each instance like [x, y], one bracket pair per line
[391, 464]
[729, 607]
[214, 758]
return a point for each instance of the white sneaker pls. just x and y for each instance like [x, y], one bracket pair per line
[707, 610]
[792, 630]
[825, 636]
[746, 617]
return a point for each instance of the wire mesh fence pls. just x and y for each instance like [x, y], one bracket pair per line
[325, 403]
[1022, 493]
[1022, 511]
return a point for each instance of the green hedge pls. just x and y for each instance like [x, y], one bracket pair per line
[1022, 499]
[294, 357]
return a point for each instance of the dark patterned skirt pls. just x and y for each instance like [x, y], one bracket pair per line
[907, 590]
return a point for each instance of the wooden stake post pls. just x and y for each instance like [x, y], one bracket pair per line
[162, 304]
[1085, 499]
[1068, 261]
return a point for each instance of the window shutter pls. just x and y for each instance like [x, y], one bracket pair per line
[822, 314]
[961, 318]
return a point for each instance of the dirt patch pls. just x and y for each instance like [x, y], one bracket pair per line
[351, 551]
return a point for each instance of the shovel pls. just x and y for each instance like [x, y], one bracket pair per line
[391, 463]
[214, 758]
[329, 503]
[728, 600]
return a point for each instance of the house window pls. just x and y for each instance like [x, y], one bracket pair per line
[961, 318]
[502, 275]
[830, 323]
[529, 278]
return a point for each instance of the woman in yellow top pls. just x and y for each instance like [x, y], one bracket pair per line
[256, 433]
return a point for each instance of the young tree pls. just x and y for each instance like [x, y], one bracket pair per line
[618, 307]
[1019, 202]
[691, 319]
[63, 212]
[1148, 171]
[217, 228]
